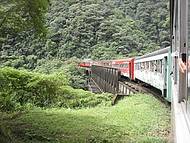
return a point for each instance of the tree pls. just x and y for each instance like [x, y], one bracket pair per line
[19, 15]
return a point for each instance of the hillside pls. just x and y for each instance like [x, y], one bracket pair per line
[95, 29]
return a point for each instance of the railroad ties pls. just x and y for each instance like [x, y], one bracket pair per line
[108, 79]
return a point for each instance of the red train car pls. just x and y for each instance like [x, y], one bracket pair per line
[87, 64]
[126, 67]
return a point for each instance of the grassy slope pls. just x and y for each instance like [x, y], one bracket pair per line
[135, 119]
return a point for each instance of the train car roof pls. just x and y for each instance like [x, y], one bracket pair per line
[157, 52]
[119, 60]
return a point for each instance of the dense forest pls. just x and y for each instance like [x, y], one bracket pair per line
[87, 29]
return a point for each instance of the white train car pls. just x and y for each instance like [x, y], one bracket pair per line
[153, 69]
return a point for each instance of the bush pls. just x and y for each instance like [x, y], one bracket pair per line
[6, 102]
[78, 98]
[27, 87]
[18, 88]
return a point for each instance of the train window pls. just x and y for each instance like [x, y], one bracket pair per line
[136, 66]
[125, 65]
[151, 66]
[147, 65]
[144, 63]
[141, 66]
[155, 66]
[159, 66]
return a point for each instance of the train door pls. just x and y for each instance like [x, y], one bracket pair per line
[130, 70]
[165, 76]
[169, 75]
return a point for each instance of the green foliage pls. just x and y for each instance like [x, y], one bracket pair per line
[84, 29]
[19, 15]
[76, 75]
[20, 21]
[136, 119]
[80, 98]
[18, 88]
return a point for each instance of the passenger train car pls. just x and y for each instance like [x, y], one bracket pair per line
[154, 69]
[126, 66]
[85, 64]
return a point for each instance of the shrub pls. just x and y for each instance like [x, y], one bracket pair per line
[78, 98]
[18, 88]
[27, 87]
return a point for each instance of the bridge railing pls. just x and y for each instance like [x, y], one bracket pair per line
[107, 78]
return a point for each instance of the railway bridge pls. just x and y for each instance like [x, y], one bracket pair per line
[109, 79]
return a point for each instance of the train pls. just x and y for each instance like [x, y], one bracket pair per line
[151, 69]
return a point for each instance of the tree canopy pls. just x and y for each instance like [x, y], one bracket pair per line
[19, 15]
[92, 29]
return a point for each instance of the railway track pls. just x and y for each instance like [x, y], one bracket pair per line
[127, 87]
[140, 87]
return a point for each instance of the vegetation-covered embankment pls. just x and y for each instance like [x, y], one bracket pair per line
[139, 118]
[43, 108]
[20, 88]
